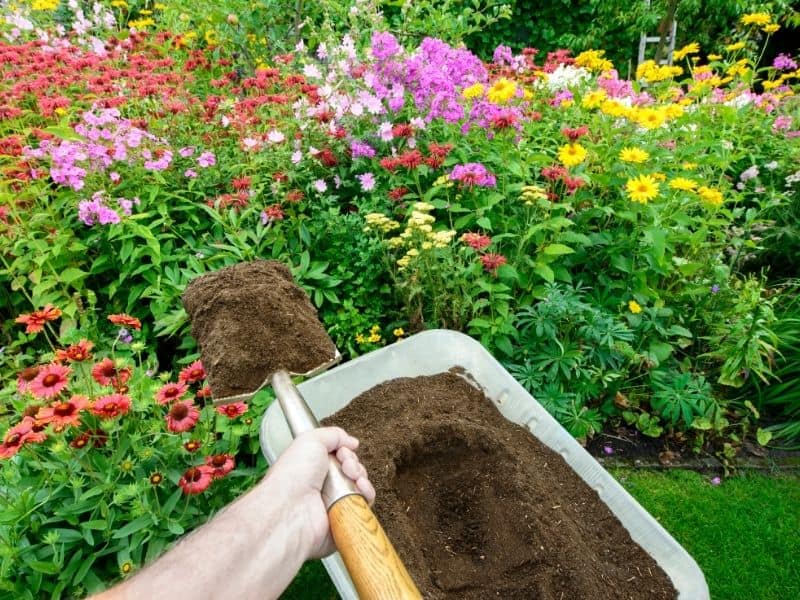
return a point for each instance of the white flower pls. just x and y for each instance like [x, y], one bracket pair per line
[297, 156]
[320, 186]
[311, 71]
[275, 136]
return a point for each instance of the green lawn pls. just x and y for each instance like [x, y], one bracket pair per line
[744, 533]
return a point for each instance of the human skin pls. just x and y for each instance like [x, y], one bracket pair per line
[255, 546]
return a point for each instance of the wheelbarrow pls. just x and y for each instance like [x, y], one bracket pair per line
[437, 351]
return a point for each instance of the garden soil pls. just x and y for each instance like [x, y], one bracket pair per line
[478, 508]
[250, 320]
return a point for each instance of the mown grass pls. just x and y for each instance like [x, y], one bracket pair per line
[744, 533]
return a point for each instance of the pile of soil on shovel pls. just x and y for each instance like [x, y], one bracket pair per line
[478, 508]
[250, 320]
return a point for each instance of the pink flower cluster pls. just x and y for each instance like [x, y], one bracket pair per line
[106, 139]
[473, 174]
[94, 211]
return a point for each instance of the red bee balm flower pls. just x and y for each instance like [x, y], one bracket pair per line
[476, 241]
[171, 391]
[193, 373]
[492, 262]
[222, 464]
[124, 320]
[182, 416]
[106, 373]
[35, 321]
[110, 407]
[76, 353]
[196, 479]
[66, 413]
[50, 381]
[232, 410]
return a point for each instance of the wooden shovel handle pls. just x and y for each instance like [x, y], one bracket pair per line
[373, 564]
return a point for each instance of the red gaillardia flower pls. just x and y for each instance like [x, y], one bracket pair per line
[106, 373]
[20, 434]
[112, 406]
[192, 445]
[97, 437]
[193, 373]
[196, 479]
[222, 464]
[182, 416]
[76, 353]
[35, 321]
[232, 410]
[50, 380]
[170, 392]
[204, 392]
[25, 377]
[65, 413]
[124, 320]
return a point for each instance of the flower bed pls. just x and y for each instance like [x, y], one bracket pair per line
[600, 236]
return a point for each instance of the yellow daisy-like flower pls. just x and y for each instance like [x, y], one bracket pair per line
[571, 154]
[688, 49]
[659, 176]
[710, 196]
[734, 47]
[159, 6]
[673, 111]
[771, 28]
[642, 189]
[613, 108]
[119, 4]
[473, 91]
[502, 91]
[634, 307]
[45, 5]
[633, 155]
[399, 332]
[683, 184]
[360, 339]
[760, 19]
[714, 57]
[771, 85]
[211, 37]
[650, 118]
[593, 99]
[689, 166]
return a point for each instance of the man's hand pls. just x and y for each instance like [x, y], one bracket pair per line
[254, 547]
[298, 476]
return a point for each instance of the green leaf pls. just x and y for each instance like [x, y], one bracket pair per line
[64, 133]
[485, 223]
[545, 272]
[71, 274]
[134, 526]
[660, 351]
[763, 436]
[557, 250]
[504, 344]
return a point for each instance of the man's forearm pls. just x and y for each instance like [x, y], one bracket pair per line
[251, 549]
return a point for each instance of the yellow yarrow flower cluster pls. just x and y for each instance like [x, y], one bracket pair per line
[571, 155]
[380, 221]
[688, 49]
[531, 193]
[502, 91]
[759, 19]
[633, 155]
[474, 91]
[419, 231]
[653, 73]
[594, 60]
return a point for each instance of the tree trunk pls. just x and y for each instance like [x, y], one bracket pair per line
[665, 29]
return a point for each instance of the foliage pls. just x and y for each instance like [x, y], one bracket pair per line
[591, 231]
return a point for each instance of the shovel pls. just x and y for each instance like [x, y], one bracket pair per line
[371, 560]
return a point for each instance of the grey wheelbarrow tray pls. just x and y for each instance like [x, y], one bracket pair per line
[438, 350]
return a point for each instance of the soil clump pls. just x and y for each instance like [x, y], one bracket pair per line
[478, 508]
[250, 320]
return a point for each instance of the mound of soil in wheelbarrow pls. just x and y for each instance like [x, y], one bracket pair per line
[250, 320]
[478, 508]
